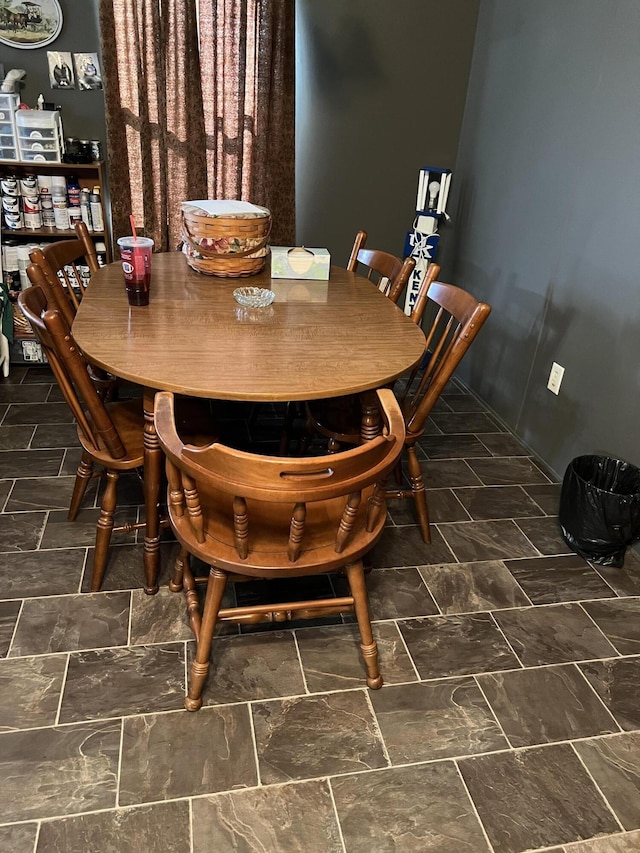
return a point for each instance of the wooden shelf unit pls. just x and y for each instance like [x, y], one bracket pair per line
[88, 175]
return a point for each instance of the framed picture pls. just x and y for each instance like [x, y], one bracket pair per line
[28, 25]
[60, 70]
[87, 70]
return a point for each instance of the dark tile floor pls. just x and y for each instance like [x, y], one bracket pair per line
[509, 719]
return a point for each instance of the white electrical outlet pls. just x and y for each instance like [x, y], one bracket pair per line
[555, 378]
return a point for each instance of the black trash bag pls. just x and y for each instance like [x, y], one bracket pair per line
[600, 508]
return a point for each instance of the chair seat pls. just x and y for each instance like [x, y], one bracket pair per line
[269, 529]
[128, 419]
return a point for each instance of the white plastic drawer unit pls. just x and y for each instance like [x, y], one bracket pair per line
[39, 135]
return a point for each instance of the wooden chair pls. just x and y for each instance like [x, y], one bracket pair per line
[455, 318]
[264, 516]
[62, 260]
[111, 434]
[352, 419]
[389, 273]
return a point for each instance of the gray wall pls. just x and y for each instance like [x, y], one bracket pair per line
[82, 112]
[380, 93]
[547, 201]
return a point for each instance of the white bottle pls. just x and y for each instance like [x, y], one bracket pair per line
[61, 212]
[96, 210]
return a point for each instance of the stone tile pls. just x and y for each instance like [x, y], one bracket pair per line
[547, 580]
[17, 374]
[545, 704]
[423, 808]
[522, 800]
[295, 818]
[117, 682]
[21, 532]
[442, 646]
[72, 622]
[623, 843]
[331, 658]
[8, 616]
[15, 437]
[448, 474]
[125, 567]
[546, 496]
[394, 594]
[55, 435]
[619, 620]
[461, 422]
[38, 413]
[57, 771]
[30, 463]
[507, 471]
[545, 534]
[253, 666]
[18, 838]
[30, 691]
[442, 504]
[504, 444]
[492, 502]
[423, 722]
[470, 587]
[81, 533]
[617, 682]
[614, 763]
[404, 547]
[166, 756]
[38, 375]
[463, 403]
[36, 573]
[486, 540]
[24, 394]
[559, 633]
[316, 736]
[42, 493]
[159, 828]
[5, 488]
[162, 618]
[452, 447]
[623, 581]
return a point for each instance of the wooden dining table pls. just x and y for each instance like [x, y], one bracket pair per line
[317, 339]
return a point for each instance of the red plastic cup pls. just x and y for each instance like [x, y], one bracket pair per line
[135, 253]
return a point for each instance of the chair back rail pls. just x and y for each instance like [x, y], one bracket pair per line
[58, 263]
[389, 273]
[456, 319]
[71, 371]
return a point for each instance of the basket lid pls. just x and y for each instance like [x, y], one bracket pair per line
[225, 207]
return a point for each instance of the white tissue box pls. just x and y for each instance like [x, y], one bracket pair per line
[300, 262]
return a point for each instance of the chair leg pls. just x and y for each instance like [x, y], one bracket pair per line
[177, 581]
[83, 475]
[418, 493]
[368, 646]
[104, 530]
[200, 666]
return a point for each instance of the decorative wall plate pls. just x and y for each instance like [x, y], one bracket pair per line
[25, 24]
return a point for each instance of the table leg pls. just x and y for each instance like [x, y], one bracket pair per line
[152, 476]
[371, 421]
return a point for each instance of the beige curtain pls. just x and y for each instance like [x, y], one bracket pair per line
[207, 117]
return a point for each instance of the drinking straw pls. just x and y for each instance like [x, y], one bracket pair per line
[133, 228]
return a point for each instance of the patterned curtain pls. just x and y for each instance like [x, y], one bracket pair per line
[200, 104]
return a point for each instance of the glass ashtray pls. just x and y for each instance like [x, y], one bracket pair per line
[253, 297]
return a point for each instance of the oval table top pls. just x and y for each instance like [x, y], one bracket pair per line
[318, 338]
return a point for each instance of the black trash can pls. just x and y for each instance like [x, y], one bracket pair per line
[600, 508]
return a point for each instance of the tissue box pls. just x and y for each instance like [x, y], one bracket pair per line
[300, 262]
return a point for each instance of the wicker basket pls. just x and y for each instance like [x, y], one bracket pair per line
[21, 326]
[225, 238]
